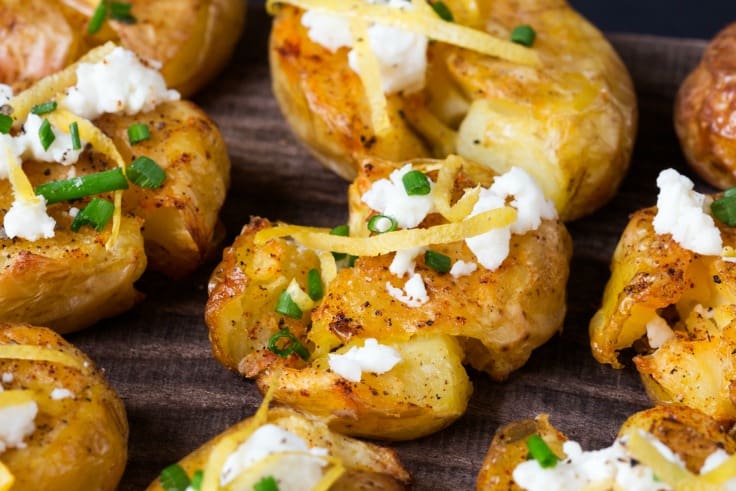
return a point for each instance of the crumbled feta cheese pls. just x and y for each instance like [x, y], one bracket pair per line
[492, 248]
[59, 151]
[461, 268]
[16, 423]
[681, 213]
[61, 393]
[389, 197]
[401, 54]
[120, 83]
[658, 332]
[29, 220]
[6, 93]
[73, 212]
[293, 472]
[371, 357]
[403, 261]
[8, 378]
[414, 293]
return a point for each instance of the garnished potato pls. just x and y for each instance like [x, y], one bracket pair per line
[705, 113]
[569, 119]
[192, 39]
[79, 442]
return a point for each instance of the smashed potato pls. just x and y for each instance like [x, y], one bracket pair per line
[475, 317]
[565, 112]
[78, 432]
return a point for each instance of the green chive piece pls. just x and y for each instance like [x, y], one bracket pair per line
[438, 262]
[351, 261]
[729, 192]
[524, 35]
[287, 306]
[268, 483]
[81, 186]
[74, 132]
[6, 122]
[98, 18]
[146, 173]
[292, 345]
[120, 11]
[342, 231]
[44, 108]
[380, 224]
[541, 452]
[443, 11]
[314, 285]
[46, 134]
[174, 478]
[416, 183]
[197, 479]
[724, 209]
[95, 215]
[137, 133]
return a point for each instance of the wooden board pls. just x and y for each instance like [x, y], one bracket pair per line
[158, 357]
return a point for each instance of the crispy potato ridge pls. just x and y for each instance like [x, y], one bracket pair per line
[79, 443]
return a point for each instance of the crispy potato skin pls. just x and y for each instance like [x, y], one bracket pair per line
[80, 443]
[653, 275]
[705, 112]
[368, 466]
[191, 38]
[574, 117]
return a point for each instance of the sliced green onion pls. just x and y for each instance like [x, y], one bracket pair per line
[197, 479]
[146, 173]
[287, 306]
[46, 134]
[293, 345]
[174, 478]
[137, 133]
[120, 11]
[437, 261]
[524, 35]
[416, 183]
[95, 215]
[314, 285]
[81, 186]
[98, 18]
[724, 209]
[6, 122]
[74, 132]
[541, 452]
[268, 483]
[342, 231]
[380, 224]
[443, 11]
[44, 108]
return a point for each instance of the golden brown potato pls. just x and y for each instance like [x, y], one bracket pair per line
[655, 280]
[570, 121]
[367, 466]
[478, 319]
[79, 442]
[690, 434]
[192, 39]
[705, 112]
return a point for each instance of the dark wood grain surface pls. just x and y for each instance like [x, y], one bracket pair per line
[158, 357]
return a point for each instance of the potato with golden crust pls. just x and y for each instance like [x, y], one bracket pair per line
[569, 121]
[192, 39]
[79, 436]
[366, 466]
[705, 112]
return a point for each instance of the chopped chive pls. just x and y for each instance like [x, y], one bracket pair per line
[95, 215]
[416, 183]
[342, 231]
[314, 285]
[74, 132]
[120, 11]
[524, 35]
[46, 134]
[146, 173]
[437, 261]
[44, 108]
[380, 224]
[137, 133]
[293, 345]
[268, 483]
[98, 18]
[81, 186]
[724, 209]
[197, 479]
[174, 478]
[6, 123]
[287, 306]
[351, 260]
[541, 452]
[443, 11]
